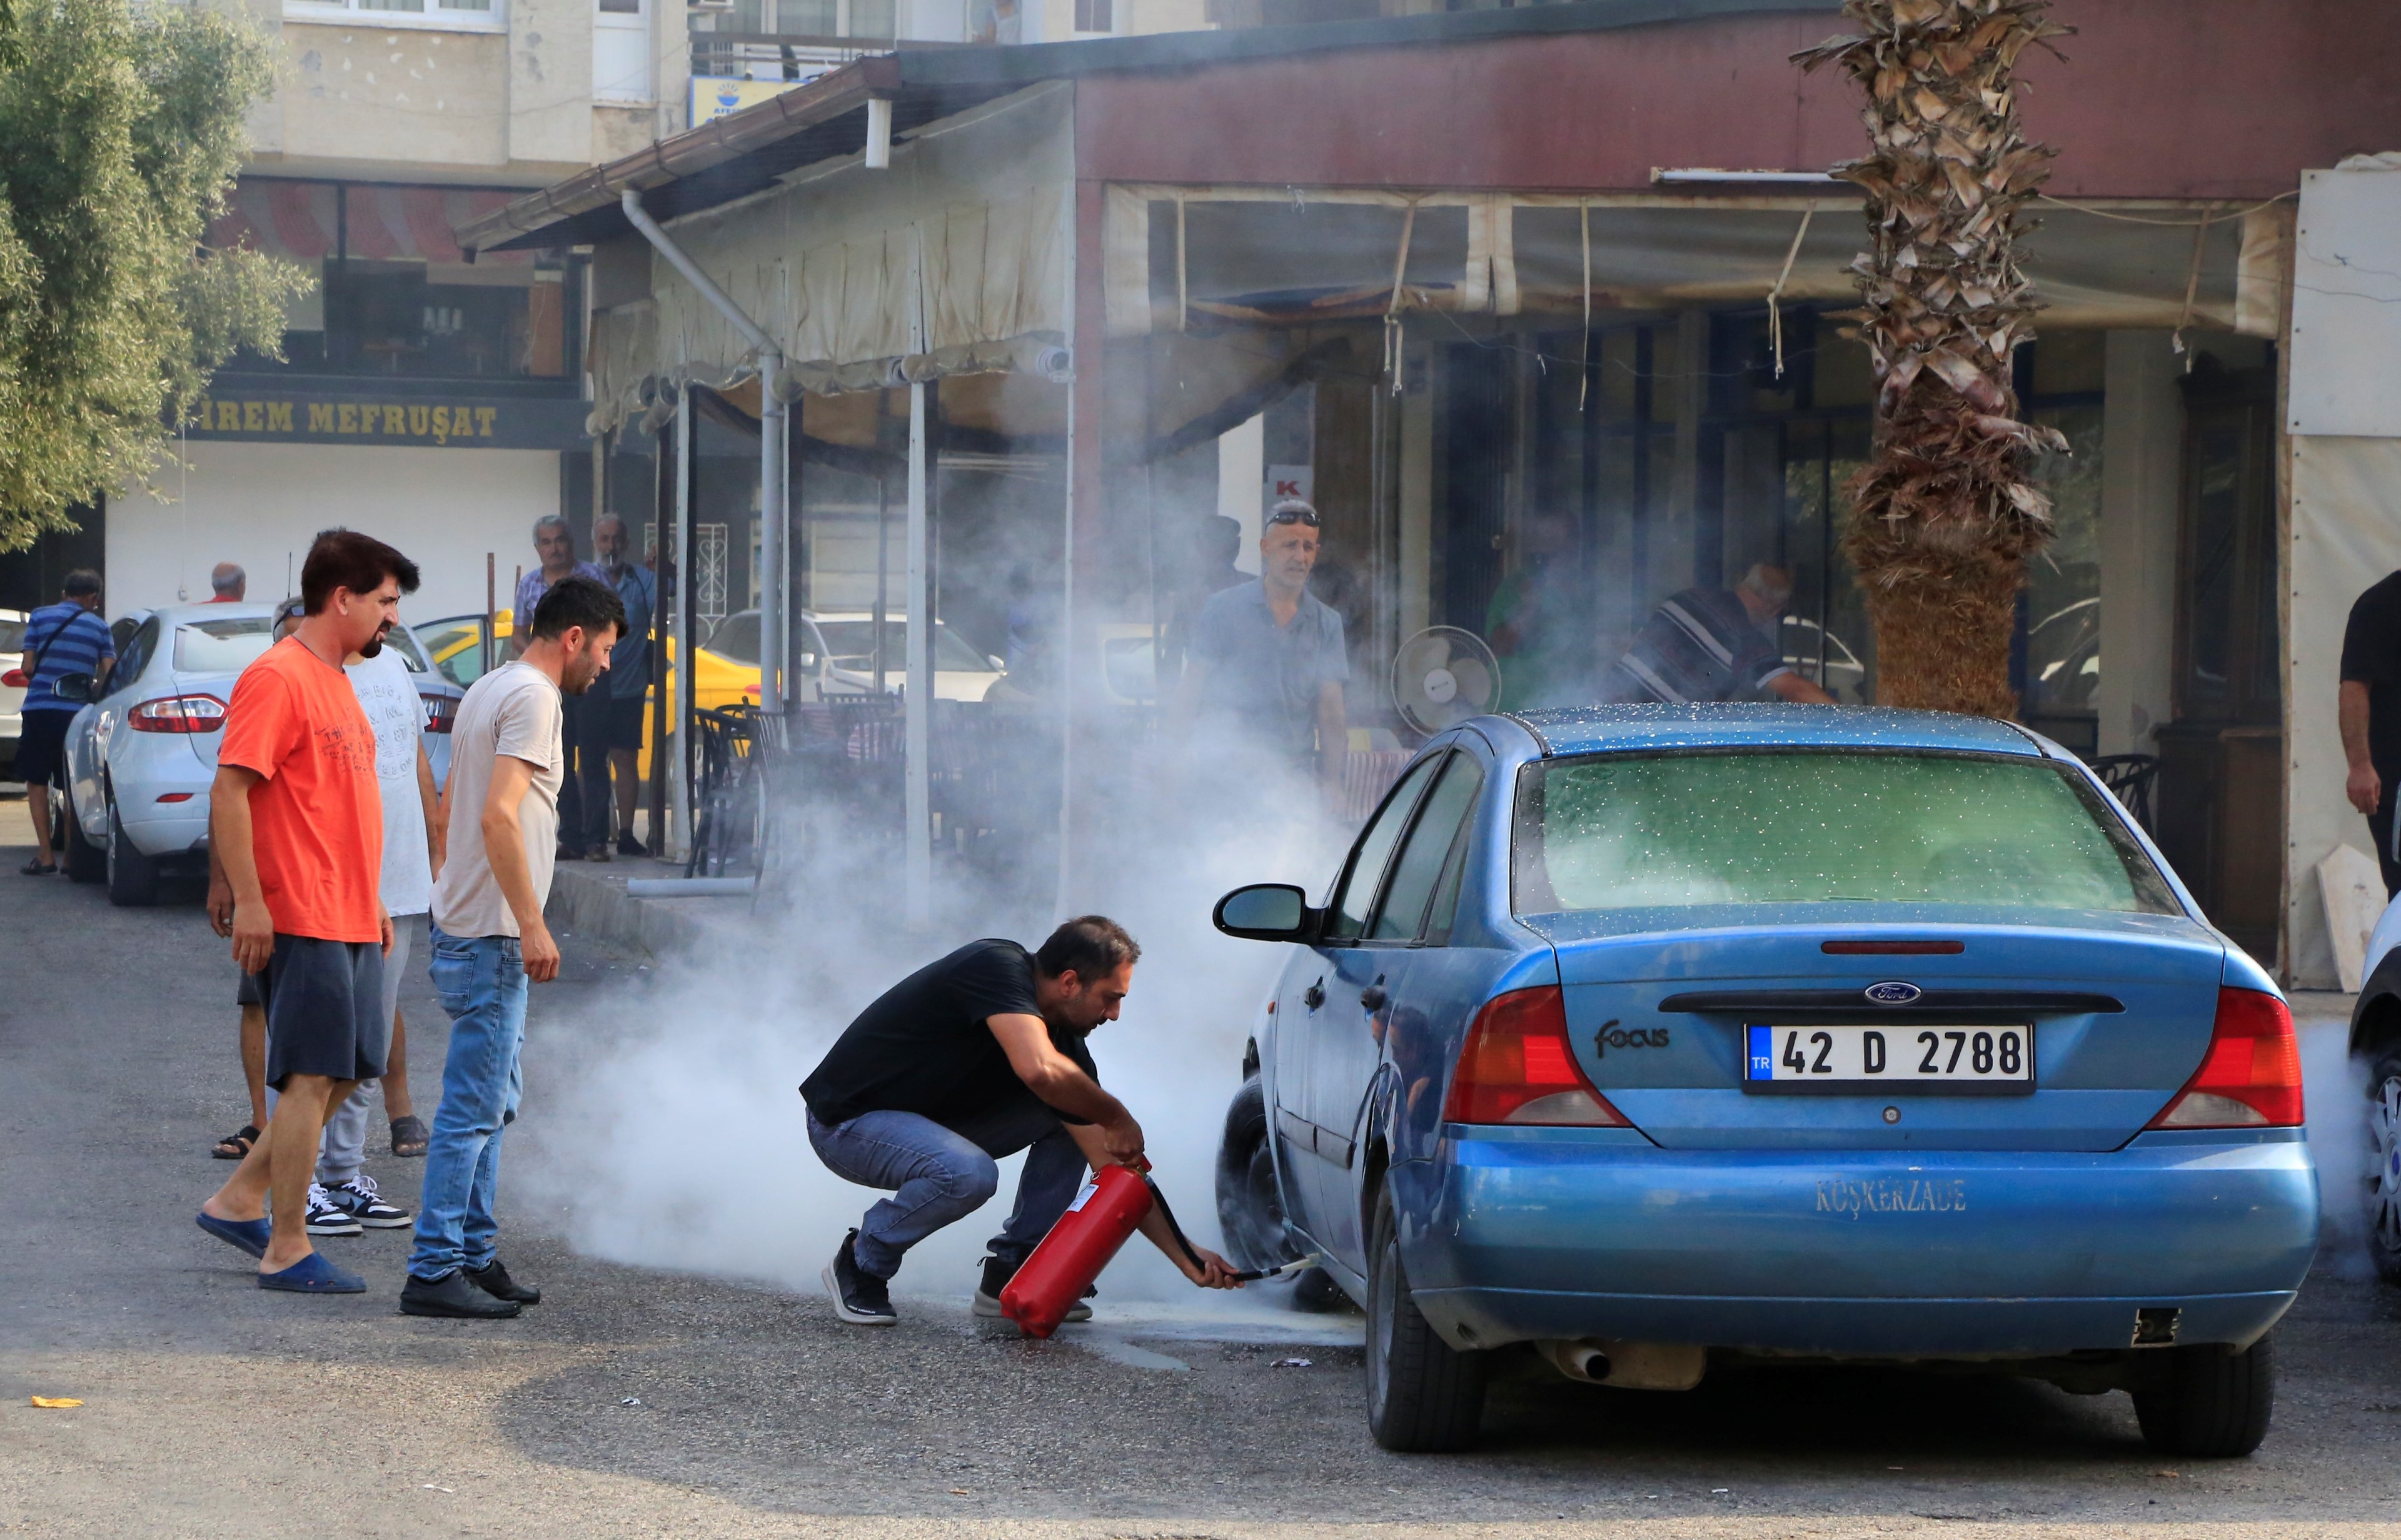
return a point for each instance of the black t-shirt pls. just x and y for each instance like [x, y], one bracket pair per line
[923, 1046]
[2372, 654]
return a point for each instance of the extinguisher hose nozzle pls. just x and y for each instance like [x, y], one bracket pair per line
[1194, 1257]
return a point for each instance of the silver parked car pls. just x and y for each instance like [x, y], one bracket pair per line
[139, 759]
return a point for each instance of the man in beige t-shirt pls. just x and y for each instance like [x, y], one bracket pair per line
[488, 940]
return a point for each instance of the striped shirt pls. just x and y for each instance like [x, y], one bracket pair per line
[1700, 645]
[83, 640]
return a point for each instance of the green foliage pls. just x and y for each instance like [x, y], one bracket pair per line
[121, 128]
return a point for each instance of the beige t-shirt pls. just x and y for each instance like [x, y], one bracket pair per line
[512, 710]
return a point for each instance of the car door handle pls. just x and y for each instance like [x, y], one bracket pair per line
[1314, 995]
[1373, 997]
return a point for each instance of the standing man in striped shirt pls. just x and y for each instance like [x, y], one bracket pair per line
[1709, 644]
[68, 652]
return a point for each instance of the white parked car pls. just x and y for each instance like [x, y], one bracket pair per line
[837, 656]
[139, 759]
[12, 696]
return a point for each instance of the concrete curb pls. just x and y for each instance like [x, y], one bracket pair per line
[591, 900]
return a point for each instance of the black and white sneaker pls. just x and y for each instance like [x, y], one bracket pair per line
[328, 1217]
[997, 1272]
[859, 1298]
[358, 1199]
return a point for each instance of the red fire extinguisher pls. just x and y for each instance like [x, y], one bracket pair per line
[1113, 1200]
[1111, 1206]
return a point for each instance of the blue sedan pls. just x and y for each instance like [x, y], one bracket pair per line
[1652, 1038]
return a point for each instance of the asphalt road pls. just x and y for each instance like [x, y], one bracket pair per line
[643, 1403]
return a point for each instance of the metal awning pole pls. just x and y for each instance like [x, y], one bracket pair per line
[772, 451]
[919, 619]
[679, 846]
[771, 421]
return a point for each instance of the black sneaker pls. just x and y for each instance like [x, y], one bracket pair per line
[451, 1295]
[859, 1298]
[358, 1199]
[628, 845]
[495, 1281]
[570, 852]
[328, 1217]
[997, 1272]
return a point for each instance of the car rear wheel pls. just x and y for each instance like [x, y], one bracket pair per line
[2209, 1402]
[2383, 1182]
[82, 860]
[1250, 1210]
[1423, 1396]
[132, 876]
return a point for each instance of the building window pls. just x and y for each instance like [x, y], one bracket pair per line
[451, 15]
[1095, 16]
[395, 296]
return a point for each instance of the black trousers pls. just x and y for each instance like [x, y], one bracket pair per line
[583, 807]
[2380, 823]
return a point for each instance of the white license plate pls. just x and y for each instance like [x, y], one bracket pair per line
[1861, 1057]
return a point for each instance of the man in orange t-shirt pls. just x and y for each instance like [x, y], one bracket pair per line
[295, 818]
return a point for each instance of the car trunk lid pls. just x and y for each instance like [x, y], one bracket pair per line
[2118, 1008]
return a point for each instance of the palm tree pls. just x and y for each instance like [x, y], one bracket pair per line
[1944, 517]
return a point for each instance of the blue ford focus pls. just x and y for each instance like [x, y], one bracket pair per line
[1649, 1038]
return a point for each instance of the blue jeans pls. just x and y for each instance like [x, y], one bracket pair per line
[481, 982]
[939, 1175]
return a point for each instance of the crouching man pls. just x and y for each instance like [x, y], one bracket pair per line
[967, 1060]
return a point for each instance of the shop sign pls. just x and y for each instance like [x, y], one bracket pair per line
[454, 423]
[713, 98]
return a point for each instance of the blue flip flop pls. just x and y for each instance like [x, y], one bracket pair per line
[249, 1234]
[313, 1274]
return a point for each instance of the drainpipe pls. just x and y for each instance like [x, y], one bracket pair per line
[772, 452]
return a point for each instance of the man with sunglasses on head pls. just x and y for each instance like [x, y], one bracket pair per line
[1268, 660]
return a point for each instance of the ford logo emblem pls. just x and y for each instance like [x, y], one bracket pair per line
[1893, 991]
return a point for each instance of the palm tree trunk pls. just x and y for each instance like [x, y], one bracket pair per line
[1942, 516]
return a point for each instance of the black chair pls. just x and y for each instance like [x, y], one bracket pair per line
[2130, 779]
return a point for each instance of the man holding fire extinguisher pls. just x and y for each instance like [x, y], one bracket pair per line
[969, 1060]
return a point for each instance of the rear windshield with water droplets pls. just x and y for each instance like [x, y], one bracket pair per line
[1798, 826]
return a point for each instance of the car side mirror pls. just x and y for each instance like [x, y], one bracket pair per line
[1266, 912]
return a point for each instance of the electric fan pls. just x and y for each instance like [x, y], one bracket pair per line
[1443, 676]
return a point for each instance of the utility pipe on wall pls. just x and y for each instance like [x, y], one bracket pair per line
[918, 692]
[772, 451]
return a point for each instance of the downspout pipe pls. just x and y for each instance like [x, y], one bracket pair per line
[772, 457]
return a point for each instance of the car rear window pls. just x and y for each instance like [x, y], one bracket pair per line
[222, 646]
[1669, 831]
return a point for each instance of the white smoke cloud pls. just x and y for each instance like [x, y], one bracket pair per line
[668, 1131]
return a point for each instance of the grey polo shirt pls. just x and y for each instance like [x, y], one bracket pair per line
[1263, 678]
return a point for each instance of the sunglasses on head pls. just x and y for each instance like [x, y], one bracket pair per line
[1293, 515]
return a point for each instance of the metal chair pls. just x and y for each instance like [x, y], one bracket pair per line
[2130, 779]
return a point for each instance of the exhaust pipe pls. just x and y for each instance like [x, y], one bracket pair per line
[1627, 1366]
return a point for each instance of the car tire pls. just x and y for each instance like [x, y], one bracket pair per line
[2383, 1186]
[1423, 1395]
[132, 876]
[1250, 1210]
[2208, 1402]
[82, 859]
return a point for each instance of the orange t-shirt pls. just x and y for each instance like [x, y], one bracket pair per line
[317, 817]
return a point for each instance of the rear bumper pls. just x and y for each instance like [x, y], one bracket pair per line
[1519, 1234]
[165, 828]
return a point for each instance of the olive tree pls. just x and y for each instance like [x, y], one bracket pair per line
[121, 128]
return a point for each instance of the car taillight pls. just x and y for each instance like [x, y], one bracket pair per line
[2251, 1076]
[177, 714]
[441, 712]
[1517, 1067]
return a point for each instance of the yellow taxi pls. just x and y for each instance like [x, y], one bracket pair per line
[718, 684]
